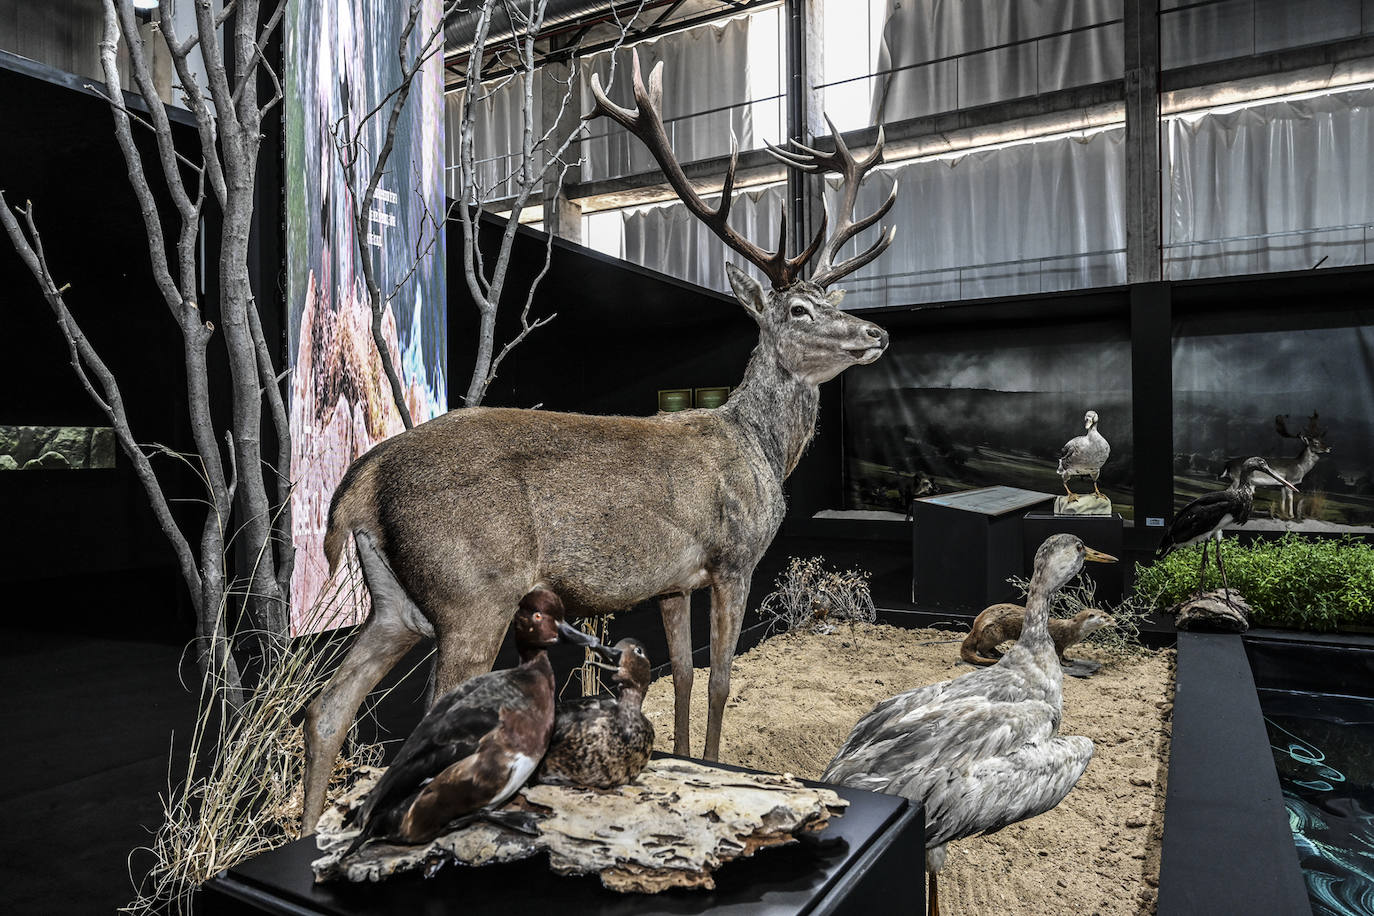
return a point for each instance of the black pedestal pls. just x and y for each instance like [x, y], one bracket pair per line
[965, 545]
[1100, 532]
[871, 860]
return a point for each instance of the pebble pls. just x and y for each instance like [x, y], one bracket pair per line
[1136, 821]
[1141, 781]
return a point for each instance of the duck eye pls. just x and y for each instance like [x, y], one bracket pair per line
[799, 311]
[538, 616]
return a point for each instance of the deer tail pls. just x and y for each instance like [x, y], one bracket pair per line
[353, 506]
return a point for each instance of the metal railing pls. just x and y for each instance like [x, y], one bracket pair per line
[1050, 273]
[1250, 254]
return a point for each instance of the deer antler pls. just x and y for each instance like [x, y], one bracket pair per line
[1313, 430]
[645, 122]
[852, 171]
[1281, 426]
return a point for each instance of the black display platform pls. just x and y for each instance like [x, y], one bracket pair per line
[1100, 532]
[871, 860]
[964, 546]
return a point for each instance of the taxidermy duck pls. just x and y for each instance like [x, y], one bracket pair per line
[1002, 622]
[1083, 456]
[980, 751]
[477, 744]
[603, 742]
[1206, 517]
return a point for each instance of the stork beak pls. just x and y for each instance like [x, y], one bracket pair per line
[572, 634]
[1097, 556]
[1275, 474]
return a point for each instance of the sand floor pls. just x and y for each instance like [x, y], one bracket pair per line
[795, 697]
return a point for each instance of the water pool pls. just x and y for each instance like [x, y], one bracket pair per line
[1324, 750]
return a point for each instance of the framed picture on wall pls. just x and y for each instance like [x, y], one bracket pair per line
[671, 400]
[710, 397]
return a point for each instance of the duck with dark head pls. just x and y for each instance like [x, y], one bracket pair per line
[604, 742]
[478, 743]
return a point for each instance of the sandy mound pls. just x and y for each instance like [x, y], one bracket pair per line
[795, 697]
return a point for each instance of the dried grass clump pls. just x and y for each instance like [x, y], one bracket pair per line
[241, 793]
[809, 597]
[1121, 640]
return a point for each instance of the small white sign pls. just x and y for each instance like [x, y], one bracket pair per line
[1153, 522]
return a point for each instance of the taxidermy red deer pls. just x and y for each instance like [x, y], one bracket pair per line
[459, 517]
[1292, 469]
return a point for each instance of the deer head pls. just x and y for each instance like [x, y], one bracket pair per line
[1313, 436]
[797, 318]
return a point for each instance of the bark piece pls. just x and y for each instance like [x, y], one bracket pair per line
[1211, 613]
[673, 827]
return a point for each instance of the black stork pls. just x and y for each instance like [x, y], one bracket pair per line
[1204, 518]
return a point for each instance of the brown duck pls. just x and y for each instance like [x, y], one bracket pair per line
[603, 742]
[1002, 622]
[479, 742]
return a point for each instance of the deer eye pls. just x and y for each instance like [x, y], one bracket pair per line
[799, 311]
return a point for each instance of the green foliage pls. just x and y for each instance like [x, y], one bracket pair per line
[1291, 582]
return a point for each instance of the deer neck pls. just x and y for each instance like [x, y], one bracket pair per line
[776, 408]
[1305, 461]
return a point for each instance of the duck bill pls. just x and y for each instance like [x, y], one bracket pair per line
[614, 669]
[1097, 556]
[572, 634]
[608, 653]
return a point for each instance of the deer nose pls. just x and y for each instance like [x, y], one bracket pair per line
[877, 334]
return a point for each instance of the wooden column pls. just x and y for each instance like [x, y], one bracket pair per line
[805, 201]
[562, 216]
[1152, 409]
[1143, 211]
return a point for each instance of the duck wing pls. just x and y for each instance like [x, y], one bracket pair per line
[904, 749]
[1002, 790]
[449, 732]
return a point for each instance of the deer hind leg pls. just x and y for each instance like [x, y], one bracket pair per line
[467, 651]
[727, 615]
[390, 631]
[677, 624]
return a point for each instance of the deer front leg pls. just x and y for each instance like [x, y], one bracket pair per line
[677, 624]
[727, 615]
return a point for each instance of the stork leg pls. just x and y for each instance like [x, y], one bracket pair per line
[1202, 569]
[1225, 586]
[932, 895]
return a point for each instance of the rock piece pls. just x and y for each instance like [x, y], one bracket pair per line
[673, 827]
[1085, 504]
[1211, 613]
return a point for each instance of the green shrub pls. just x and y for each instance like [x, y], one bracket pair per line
[1290, 582]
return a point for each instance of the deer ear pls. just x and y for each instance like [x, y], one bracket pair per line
[747, 290]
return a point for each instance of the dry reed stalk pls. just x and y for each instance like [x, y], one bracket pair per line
[241, 793]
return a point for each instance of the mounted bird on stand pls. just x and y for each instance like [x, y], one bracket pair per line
[459, 517]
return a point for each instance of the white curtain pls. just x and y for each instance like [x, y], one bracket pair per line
[704, 69]
[1032, 217]
[669, 239]
[1270, 187]
[919, 31]
[1195, 34]
[498, 125]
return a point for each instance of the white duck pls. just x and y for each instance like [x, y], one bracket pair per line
[1083, 456]
[980, 751]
